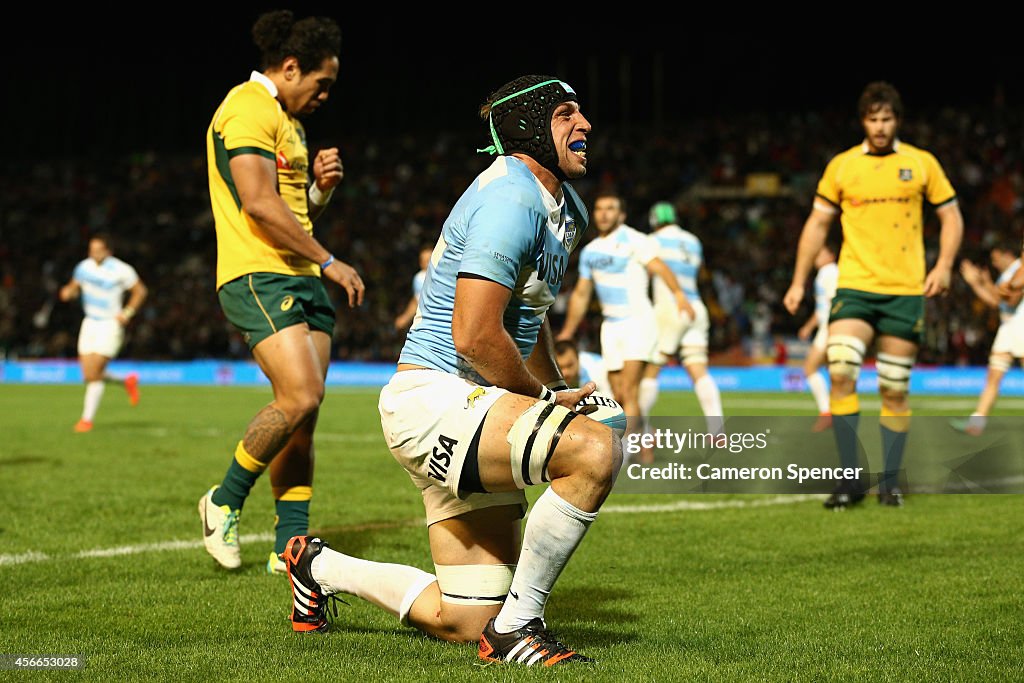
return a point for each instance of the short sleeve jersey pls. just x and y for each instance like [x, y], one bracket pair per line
[616, 263]
[881, 200]
[683, 253]
[103, 286]
[417, 283]
[507, 228]
[250, 120]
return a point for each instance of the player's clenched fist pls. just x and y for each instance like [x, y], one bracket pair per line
[327, 169]
[794, 295]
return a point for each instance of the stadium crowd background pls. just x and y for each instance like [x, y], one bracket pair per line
[734, 125]
[743, 184]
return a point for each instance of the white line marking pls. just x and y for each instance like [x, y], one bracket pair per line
[925, 403]
[159, 547]
[710, 505]
[30, 556]
[351, 437]
[33, 556]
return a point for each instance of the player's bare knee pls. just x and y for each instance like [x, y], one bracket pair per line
[300, 406]
[588, 453]
[599, 456]
[466, 630]
[841, 385]
[893, 399]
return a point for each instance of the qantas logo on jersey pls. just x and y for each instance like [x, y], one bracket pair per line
[856, 201]
[551, 268]
[441, 460]
[283, 164]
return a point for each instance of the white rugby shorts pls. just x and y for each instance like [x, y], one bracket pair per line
[629, 339]
[104, 337]
[1010, 338]
[429, 419]
[676, 330]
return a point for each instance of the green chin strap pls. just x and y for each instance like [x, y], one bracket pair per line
[497, 147]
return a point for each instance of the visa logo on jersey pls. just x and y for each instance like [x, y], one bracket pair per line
[551, 268]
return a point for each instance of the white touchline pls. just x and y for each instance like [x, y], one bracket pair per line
[33, 556]
[709, 505]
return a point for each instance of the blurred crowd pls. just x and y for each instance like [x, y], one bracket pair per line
[398, 191]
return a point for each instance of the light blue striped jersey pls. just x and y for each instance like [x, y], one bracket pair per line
[103, 286]
[824, 291]
[508, 228]
[1006, 311]
[592, 370]
[616, 263]
[683, 253]
[417, 283]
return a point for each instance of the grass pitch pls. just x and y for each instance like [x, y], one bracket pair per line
[102, 557]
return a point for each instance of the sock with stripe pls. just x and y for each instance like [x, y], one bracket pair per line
[239, 479]
[554, 528]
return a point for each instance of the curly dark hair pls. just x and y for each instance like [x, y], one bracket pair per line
[877, 95]
[311, 40]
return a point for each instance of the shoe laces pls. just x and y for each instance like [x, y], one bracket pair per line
[546, 638]
[231, 527]
[327, 607]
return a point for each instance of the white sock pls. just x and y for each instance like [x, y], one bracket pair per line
[392, 587]
[710, 402]
[553, 530]
[977, 420]
[113, 377]
[816, 383]
[93, 395]
[647, 397]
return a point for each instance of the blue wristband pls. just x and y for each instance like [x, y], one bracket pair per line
[327, 263]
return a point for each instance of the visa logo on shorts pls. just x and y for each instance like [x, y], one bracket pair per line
[441, 460]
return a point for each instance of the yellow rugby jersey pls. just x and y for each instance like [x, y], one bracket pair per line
[251, 121]
[881, 199]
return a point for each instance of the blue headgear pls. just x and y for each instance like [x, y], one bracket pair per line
[520, 118]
